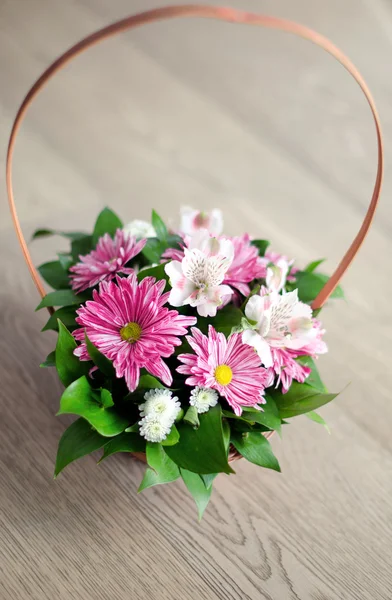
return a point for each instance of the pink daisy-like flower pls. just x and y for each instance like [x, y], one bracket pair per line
[128, 323]
[109, 257]
[246, 265]
[286, 368]
[228, 366]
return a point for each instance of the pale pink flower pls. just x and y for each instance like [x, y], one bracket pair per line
[286, 368]
[197, 279]
[282, 262]
[192, 220]
[228, 366]
[109, 258]
[128, 323]
[246, 265]
[280, 321]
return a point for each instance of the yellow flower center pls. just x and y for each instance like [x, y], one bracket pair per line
[223, 374]
[131, 332]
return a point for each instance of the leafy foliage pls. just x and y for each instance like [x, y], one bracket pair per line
[69, 367]
[107, 222]
[196, 487]
[309, 285]
[255, 448]
[203, 450]
[300, 399]
[77, 441]
[161, 469]
[80, 399]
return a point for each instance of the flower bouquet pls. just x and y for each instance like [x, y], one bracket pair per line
[187, 348]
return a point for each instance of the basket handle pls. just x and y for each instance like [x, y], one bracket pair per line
[222, 14]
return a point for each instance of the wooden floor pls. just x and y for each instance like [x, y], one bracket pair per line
[275, 134]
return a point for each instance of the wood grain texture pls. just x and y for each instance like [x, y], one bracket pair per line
[273, 132]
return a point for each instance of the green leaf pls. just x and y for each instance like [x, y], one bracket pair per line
[65, 260]
[300, 399]
[153, 250]
[200, 493]
[69, 367]
[208, 479]
[79, 399]
[72, 235]
[157, 272]
[148, 382]
[50, 360]
[161, 468]
[172, 438]
[77, 441]
[106, 398]
[313, 379]
[55, 275]
[104, 364]
[81, 247]
[192, 417]
[255, 448]
[202, 450]
[59, 298]
[107, 222]
[225, 320]
[133, 428]
[313, 265]
[262, 245]
[159, 226]
[310, 284]
[66, 315]
[268, 417]
[125, 442]
[313, 416]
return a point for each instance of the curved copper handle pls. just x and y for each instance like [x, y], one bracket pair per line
[223, 14]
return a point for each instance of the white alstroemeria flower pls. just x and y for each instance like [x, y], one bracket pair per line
[140, 229]
[161, 404]
[280, 321]
[203, 398]
[197, 279]
[277, 274]
[192, 220]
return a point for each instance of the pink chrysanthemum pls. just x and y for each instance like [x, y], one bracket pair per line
[128, 323]
[109, 258]
[286, 368]
[228, 366]
[246, 265]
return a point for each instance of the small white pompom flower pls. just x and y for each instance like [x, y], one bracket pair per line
[161, 404]
[203, 398]
[154, 429]
[140, 229]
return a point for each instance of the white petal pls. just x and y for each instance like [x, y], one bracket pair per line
[252, 338]
[216, 222]
[254, 309]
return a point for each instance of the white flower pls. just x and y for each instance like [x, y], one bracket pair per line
[277, 274]
[159, 411]
[153, 429]
[203, 398]
[280, 321]
[140, 229]
[192, 220]
[197, 279]
[159, 403]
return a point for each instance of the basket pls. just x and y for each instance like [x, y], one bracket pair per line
[222, 14]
